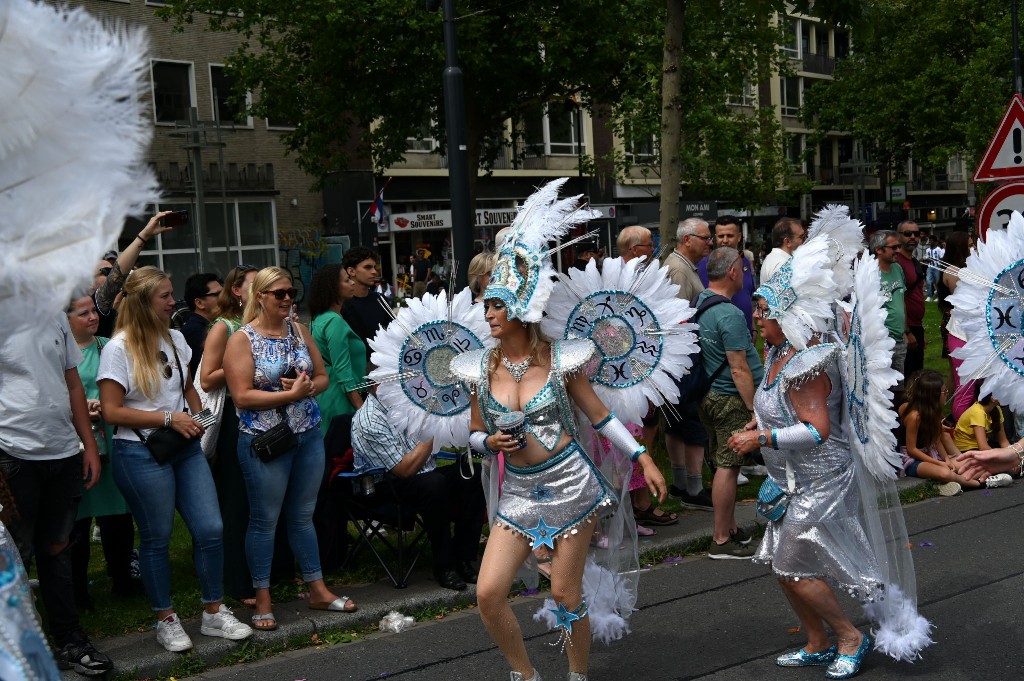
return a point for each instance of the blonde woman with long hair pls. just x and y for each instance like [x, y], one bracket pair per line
[144, 385]
[274, 372]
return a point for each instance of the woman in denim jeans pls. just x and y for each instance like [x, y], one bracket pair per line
[274, 370]
[144, 385]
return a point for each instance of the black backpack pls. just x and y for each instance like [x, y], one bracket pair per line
[696, 384]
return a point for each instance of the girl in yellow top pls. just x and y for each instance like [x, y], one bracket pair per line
[981, 427]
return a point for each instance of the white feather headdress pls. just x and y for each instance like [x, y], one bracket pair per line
[523, 275]
[800, 295]
[72, 143]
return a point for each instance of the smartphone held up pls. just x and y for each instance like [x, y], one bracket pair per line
[175, 218]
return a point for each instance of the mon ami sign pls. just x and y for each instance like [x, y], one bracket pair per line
[442, 219]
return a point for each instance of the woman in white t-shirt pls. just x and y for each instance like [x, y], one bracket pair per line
[144, 385]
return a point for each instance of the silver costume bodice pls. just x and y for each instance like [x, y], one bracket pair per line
[773, 409]
[542, 414]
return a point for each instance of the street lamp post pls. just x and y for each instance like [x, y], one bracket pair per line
[458, 164]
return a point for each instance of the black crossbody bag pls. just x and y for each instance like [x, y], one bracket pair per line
[165, 442]
[279, 439]
[276, 441]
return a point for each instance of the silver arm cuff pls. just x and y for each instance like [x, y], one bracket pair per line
[478, 441]
[615, 431]
[797, 436]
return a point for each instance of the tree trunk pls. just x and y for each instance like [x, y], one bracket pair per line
[671, 120]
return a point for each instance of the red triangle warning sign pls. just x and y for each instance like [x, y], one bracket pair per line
[1004, 158]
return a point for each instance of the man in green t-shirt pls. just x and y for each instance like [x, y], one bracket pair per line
[884, 244]
[727, 408]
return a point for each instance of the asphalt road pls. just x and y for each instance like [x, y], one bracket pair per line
[703, 619]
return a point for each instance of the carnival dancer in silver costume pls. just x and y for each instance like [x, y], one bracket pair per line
[829, 461]
[552, 495]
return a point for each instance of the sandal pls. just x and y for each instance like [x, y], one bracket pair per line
[264, 622]
[343, 604]
[652, 515]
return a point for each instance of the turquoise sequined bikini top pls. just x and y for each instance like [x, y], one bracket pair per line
[541, 414]
[549, 413]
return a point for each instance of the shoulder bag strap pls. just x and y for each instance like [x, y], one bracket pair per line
[181, 383]
[709, 302]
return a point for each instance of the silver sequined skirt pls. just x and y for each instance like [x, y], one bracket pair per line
[551, 499]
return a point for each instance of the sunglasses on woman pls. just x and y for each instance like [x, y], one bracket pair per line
[280, 293]
[167, 364]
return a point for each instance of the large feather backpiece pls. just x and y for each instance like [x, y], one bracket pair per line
[640, 328]
[870, 376]
[72, 141]
[412, 358]
[989, 305]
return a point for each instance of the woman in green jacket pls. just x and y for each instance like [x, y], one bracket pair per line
[343, 351]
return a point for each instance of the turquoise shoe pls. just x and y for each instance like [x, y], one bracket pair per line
[845, 666]
[801, 658]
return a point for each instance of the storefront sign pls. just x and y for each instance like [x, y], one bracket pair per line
[442, 219]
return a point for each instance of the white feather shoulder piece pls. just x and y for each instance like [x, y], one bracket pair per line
[413, 359]
[640, 329]
[989, 305]
[72, 141]
[870, 376]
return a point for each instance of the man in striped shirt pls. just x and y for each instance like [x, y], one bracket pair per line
[441, 495]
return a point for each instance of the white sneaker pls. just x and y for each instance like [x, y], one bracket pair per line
[742, 479]
[171, 635]
[1000, 480]
[950, 489]
[758, 470]
[225, 625]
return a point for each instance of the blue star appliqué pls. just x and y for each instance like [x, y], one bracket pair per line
[541, 493]
[542, 535]
[564, 617]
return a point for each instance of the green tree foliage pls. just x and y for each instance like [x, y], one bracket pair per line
[731, 153]
[927, 79]
[360, 77]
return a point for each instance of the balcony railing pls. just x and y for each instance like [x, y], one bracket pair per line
[837, 175]
[819, 63]
[938, 182]
[238, 177]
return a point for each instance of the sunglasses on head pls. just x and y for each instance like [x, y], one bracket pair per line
[280, 293]
[167, 364]
[247, 268]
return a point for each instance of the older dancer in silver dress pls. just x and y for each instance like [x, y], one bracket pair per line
[828, 535]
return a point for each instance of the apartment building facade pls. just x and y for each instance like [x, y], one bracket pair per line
[244, 191]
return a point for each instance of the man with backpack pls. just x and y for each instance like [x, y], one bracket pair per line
[684, 435]
[733, 368]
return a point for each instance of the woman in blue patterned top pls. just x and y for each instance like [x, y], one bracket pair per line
[274, 371]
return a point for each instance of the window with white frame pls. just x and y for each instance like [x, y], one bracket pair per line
[555, 131]
[746, 97]
[423, 141]
[639, 148]
[955, 168]
[223, 96]
[239, 231]
[791, 44]
[789, 95]
[794, 151]
[173, 90]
